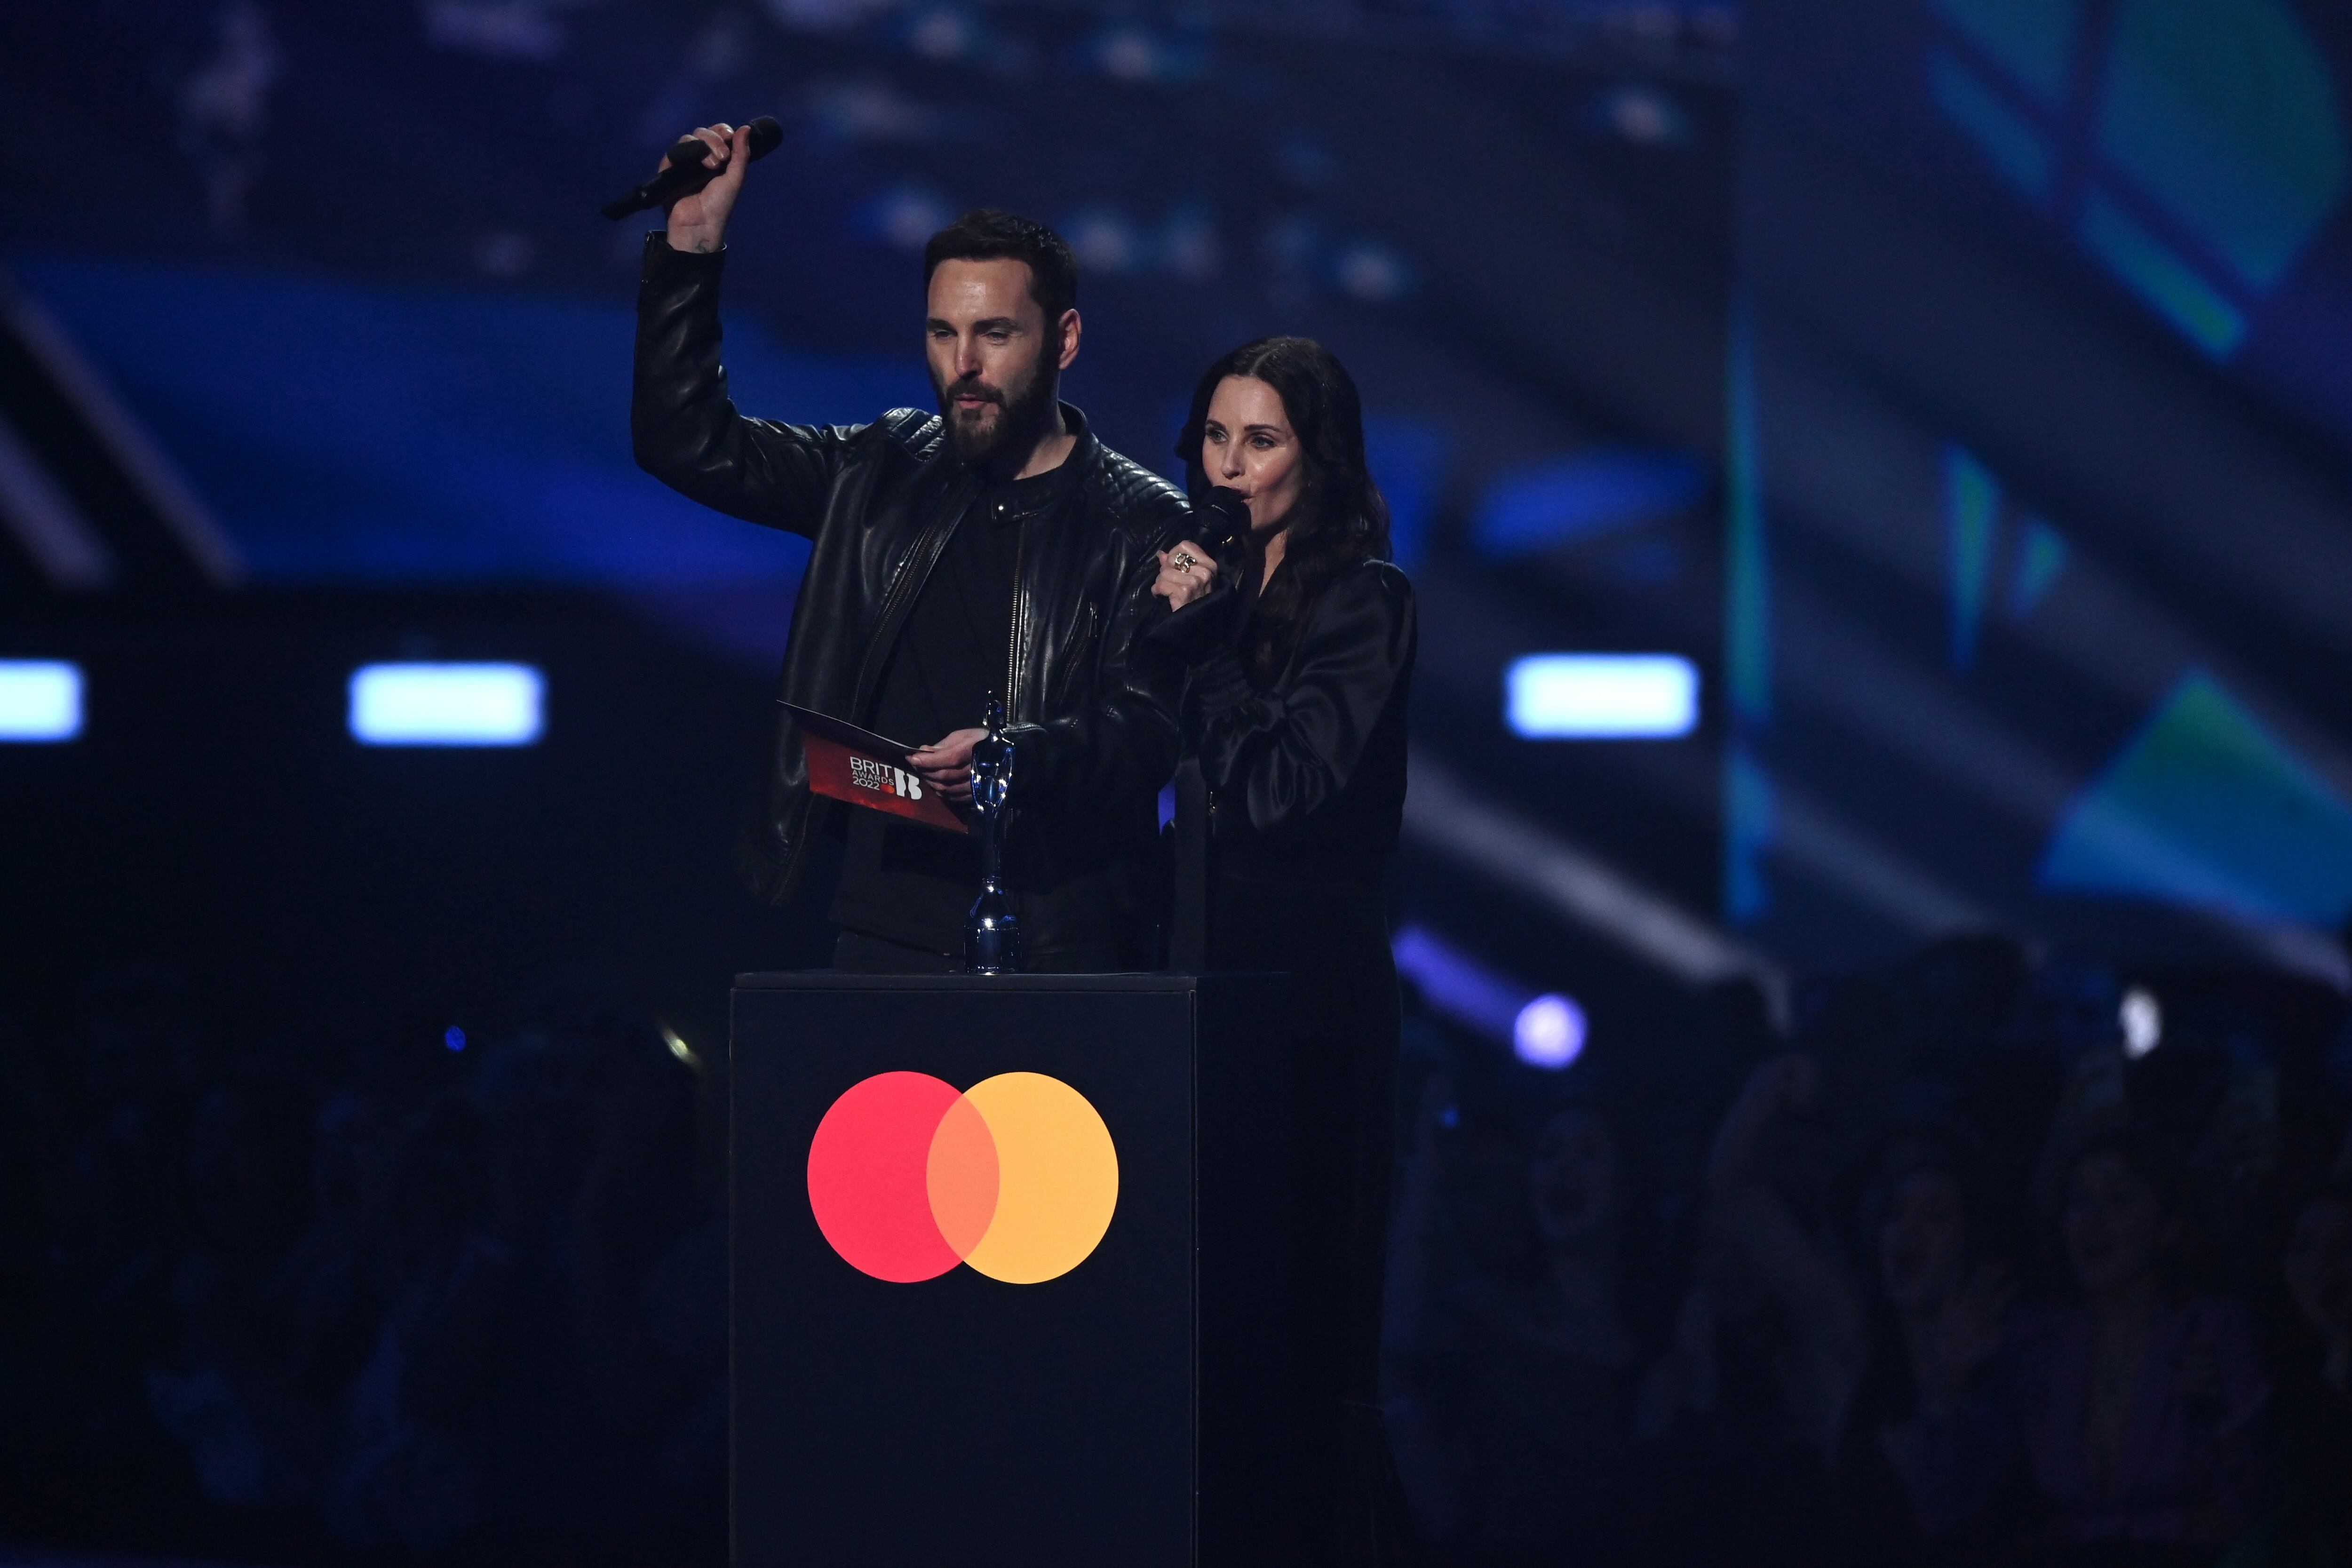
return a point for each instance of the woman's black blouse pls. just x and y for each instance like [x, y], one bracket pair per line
[1307, 776]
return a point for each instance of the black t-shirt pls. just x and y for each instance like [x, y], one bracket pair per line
[914, 884]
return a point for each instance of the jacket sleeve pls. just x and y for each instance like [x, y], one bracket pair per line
[1123, 740]
[685, 428]
[1280, 754]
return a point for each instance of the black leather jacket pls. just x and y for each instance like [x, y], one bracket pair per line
[877, 502]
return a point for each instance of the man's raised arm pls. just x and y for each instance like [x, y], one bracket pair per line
[684, 427]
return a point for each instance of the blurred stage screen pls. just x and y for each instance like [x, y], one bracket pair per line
[2042, 404]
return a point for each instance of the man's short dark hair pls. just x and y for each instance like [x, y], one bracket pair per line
[985, 234]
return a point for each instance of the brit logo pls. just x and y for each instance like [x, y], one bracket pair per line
[867, 773]
[861, 768]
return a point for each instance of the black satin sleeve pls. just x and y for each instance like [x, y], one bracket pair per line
[1279, 755]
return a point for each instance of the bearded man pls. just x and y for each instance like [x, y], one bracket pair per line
[994, 549]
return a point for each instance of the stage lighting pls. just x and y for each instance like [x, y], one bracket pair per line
[679, 1049]
[1549, 1031]
[1456, 984]
[40, 700]
[1545, 1031]
[446, 704]
[2141, 1017]
[1602, 696]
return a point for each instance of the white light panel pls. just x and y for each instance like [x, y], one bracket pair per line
[446, 704]
[40, 700]
[1602, 696]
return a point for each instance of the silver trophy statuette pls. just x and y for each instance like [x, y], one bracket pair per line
[991, 933]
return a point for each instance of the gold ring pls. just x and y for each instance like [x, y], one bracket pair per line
[1185, 560]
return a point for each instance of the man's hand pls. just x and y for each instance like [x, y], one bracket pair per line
[1186, 573]
[698, 222]
[946, 766]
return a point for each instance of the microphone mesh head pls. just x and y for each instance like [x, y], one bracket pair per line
[766, 135]
[1223, 516]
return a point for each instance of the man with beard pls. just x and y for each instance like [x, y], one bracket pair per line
[995, 549]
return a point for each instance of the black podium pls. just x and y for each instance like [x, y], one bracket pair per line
[1009, 1263]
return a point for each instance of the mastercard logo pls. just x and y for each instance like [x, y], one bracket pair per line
[1016, 1177]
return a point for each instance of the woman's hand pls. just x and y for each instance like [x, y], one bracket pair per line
[1186, 573]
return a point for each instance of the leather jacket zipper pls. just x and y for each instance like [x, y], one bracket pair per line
[1019, 615]
[1081, 640]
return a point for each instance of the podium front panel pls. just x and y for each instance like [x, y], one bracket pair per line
[970, 1419]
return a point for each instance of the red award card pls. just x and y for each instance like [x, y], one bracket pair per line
[862, 768]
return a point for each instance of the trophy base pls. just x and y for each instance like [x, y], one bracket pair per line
[991, 937]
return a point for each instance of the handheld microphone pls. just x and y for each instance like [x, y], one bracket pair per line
[688, 172]
[1222, 518]
[1220, 525]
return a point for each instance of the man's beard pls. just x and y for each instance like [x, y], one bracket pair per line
[1020, 417]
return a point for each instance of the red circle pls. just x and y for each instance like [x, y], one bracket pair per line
[866, 1176]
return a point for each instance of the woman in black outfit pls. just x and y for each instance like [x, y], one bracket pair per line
[1294, 647]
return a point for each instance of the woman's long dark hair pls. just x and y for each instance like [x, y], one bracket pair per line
[1340, 519]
